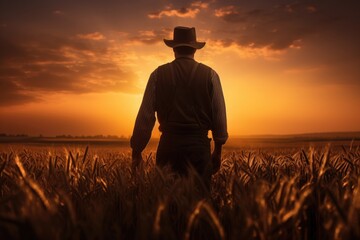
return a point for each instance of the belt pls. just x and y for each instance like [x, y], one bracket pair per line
[183, 130]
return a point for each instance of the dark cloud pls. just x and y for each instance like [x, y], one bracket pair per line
[325, 34]
[278, 27]
[13, 94]
[59, 64]
[52, 16]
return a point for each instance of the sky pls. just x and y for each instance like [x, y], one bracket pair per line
[81, 67]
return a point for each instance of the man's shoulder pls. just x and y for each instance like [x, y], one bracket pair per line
[164, 65]
[207, 69]
[206, 66]
[162, 68]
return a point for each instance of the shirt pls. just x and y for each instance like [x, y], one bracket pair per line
[145, 119]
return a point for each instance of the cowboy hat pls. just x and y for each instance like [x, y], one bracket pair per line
[184, 36]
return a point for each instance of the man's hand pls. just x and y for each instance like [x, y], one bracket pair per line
[136, 160]
[216, 162]
[216, 158]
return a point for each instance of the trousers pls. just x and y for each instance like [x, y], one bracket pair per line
[183, 152]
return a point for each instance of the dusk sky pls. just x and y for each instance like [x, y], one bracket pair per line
[81, 67]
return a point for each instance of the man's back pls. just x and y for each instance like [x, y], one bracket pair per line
[183, 95]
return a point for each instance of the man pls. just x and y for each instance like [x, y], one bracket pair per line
[188, 99]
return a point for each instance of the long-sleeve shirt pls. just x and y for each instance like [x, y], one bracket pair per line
[145, 120]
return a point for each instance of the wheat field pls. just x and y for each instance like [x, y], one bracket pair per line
[91, 193]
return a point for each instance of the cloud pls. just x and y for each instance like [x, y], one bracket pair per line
[225, 11]
[278, 27]
[150, 36]
[92, 36]
[13, 94]
[183, 12]
[82, 64]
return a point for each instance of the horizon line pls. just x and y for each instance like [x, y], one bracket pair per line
[2, 134]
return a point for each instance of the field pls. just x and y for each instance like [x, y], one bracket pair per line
[294, 191]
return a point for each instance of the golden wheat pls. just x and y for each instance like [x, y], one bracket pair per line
[93, 194]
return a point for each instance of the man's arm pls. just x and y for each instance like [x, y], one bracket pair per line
[145, 121]
[219, 129]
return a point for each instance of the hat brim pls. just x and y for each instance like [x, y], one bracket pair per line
[174, 44]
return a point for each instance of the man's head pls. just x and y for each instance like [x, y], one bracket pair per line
[184, 51]
[184, 37]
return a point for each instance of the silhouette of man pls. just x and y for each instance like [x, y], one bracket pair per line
[188, 100]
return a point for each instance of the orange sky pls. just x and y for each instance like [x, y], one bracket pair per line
[81, 67]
